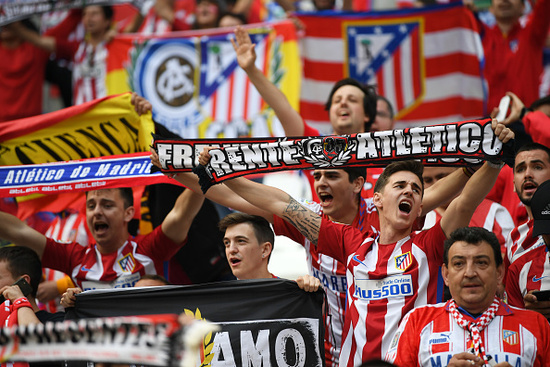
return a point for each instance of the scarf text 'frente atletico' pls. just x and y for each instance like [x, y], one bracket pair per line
[457, 144]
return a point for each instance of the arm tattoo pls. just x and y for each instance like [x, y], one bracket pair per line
[305, 221]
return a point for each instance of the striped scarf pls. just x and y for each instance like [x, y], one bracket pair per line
[475, 328]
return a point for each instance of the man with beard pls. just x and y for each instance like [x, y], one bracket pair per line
[531, 168]
[529, 272]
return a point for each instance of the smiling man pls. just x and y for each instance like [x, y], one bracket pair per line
[351, 105]
[384, 279]
[474, 327]
[116, 259]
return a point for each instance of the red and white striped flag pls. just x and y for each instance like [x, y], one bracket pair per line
[427, 62]
[234, 98]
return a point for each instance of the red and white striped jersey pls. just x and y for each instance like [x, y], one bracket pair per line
[518, 242]
[489, 215]
[530, 271]
[384, 283]
[330, 272]
[69, 227]
[90, 269]
[429, 336]
[153, 24]
[89, 70]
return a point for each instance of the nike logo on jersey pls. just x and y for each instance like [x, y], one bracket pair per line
[83, 268]
[535, 279]
[356, 259]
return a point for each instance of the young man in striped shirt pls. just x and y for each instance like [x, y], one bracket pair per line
[116, 259]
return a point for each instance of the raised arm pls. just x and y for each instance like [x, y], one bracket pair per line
[220, 194]
[47, 43]
[275, 202]
[461, 209]
[278, 202]
[444, 190]
[246, 56]
[178, 221]
[14, 230]
[223, 195]
[165, 10]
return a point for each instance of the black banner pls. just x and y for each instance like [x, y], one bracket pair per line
[455, 144]
[269, 322]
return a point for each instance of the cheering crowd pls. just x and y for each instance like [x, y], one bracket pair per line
[427, 266]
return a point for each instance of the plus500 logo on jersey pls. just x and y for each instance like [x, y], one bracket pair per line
[373, 289]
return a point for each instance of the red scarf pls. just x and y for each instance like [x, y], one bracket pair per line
[475, 328]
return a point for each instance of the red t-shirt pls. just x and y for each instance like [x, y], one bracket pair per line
[90, 269]
[537, 125]
[21, 81]
[513, 62]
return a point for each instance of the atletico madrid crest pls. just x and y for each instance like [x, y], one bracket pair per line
[388, 55]
[403, 261]
[510, 337]
[127, 263]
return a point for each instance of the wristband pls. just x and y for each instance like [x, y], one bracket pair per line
[21, 302]
[468, 171]
[496, 164]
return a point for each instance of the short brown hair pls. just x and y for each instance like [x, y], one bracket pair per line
[262, 228]
[415, 167]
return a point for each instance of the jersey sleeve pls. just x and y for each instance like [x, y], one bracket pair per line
[62, 256]
[432, 240]
[338, 240]
[540, 23]
[503, 224]
[513, 291]
[282, 228]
